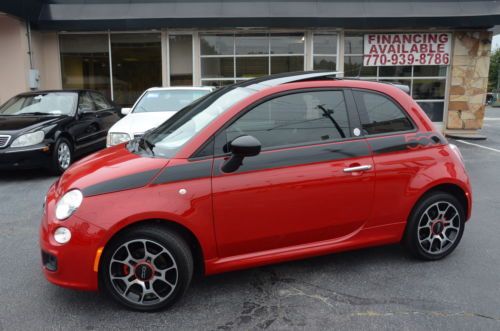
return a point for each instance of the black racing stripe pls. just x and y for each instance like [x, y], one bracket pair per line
[405, 142]
[192, 170]
[120, 184]
[298, 156]
[388, 144]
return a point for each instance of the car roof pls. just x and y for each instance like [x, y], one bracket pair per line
[190, 88]
[58, 91]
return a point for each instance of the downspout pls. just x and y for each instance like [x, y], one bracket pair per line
[28, 29]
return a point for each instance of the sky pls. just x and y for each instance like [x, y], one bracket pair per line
[496, 42]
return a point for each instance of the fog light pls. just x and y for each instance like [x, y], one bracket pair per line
[62, 235]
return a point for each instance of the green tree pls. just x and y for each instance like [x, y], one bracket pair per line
[494, 70]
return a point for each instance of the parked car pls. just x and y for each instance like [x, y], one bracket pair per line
[50, 128]
[153, 107]
[268, 170]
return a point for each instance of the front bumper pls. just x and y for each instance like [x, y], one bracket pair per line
[74, 261]
[37, 156]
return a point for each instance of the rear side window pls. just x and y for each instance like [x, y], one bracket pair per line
[379, 114]
[101, 102]
[295, 119]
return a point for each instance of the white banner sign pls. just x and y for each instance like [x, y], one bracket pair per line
[398, 49]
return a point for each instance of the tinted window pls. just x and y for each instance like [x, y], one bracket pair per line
[101, 102]
[299, 118]
[85, 102]
[380, 114]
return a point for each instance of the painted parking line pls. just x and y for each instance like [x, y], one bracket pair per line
[481, 146]
[492, 118]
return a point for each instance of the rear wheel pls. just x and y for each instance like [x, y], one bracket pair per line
[148, 268]
[435, 226]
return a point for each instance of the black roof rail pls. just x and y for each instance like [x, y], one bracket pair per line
[285, 78]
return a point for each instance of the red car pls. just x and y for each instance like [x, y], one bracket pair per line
[273, 169]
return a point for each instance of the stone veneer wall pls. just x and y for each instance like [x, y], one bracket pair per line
[469, 79]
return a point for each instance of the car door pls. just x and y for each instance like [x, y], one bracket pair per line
[85, 130]
[106, 113]
[303, 187]
[393, 138]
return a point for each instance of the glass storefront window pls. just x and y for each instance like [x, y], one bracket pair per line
[428, 89]
[181, 60]
[427, 84]
[217, 44]
[85, 62]
[252, 44]
[249, 67]
[218, 67]
[280, 64]
[435, 110]
[325, 63]
[325, 51]
[287, 43]
[231, 58]
[353, 67]
[136, 65]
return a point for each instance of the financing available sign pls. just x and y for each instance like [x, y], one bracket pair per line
[398, 49]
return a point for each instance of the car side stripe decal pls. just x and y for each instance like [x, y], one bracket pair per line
[404, 142]
[298, 156]
[192, 170]
[120, 184]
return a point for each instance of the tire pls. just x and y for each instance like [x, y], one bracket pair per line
[62, 156]
[147, 282]
[435, 226]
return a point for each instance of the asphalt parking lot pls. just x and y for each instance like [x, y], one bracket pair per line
[367, 289]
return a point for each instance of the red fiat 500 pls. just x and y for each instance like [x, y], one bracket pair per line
[269, 170]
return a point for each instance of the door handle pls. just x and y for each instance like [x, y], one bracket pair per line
[358, 168]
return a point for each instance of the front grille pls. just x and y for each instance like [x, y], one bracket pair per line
[4, 140]
[49, 261]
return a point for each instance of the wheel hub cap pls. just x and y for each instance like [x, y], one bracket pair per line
[438, 227]
[143, 271]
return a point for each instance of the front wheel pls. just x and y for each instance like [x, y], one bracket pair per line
[435, 226]
[62, 156]
[147, 268]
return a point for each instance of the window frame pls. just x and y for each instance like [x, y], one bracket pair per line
[218, 139]
[361, 109]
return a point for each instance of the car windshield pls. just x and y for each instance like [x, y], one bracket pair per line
[167, 100]
[169, 137]
[50, 103]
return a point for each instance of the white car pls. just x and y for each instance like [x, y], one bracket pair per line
[153, 107]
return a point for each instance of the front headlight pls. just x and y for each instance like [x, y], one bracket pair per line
[28, 139]
[68, 204]
[115, 138]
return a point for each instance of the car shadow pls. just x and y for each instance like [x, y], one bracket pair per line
[218, 289]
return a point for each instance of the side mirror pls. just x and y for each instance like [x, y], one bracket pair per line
[126, 111]
[241, 147]
[85, 111]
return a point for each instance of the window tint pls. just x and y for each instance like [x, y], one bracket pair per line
[85, 102]
[100, 101]
[379, 114]
[298, 118]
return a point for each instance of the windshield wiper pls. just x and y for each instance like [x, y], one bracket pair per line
[34, 113]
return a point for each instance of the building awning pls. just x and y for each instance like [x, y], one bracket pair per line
[150, 14]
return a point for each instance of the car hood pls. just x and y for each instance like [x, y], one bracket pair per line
[110, 170]
[138, 123]
[16, 123]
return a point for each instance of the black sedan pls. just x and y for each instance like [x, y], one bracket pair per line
[50, 128]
